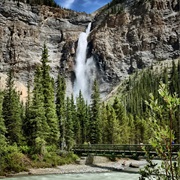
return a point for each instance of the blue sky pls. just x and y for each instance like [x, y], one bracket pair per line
[87, 6]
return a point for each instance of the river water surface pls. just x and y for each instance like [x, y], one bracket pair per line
[83, 176]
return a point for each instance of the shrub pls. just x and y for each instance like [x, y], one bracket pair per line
[16, 162]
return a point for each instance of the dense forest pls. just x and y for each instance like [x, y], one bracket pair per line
[38, 132]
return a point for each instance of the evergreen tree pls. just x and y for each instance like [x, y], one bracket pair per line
[132, 130]
[112, 126]
[174, 79]
[87, 123]
[178, 112]
[124, 128]
[60, 108]
[81, 117]
[26, 120]
[174, 88]
[104, 123]
[95, 129]
[12, 111]
[2, 125]
[49, 99]
[165, 76]
[76, 122]
[178, 82]
[38, 127]
[120, 111]
[69, 134]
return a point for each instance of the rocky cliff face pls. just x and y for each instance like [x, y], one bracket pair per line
[126, 36]
[133, 35]
[23, 31]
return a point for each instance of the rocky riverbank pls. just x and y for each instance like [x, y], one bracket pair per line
[124, 165]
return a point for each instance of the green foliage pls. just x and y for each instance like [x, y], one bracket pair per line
[2, 125]
[162, 135]
[48, 98]
[113, 130]
[12, 160]
[69, 134]
[38, 126]
[137, 89]
[52, 159]
[16, 162]
[95, 133]
[12, 111]
[60, 108]
[26, 120]
[82, 118]
[104, 123]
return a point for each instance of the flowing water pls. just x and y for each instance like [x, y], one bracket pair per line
[85, 176]
[85, 67]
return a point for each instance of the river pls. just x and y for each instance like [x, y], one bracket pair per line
[83, 176]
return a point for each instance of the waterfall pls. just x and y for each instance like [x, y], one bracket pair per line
[84, 68]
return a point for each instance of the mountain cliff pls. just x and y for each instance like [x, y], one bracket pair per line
[126, 35]
[25, 28]
[130, 35]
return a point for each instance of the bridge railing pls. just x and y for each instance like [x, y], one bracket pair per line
[118, 148]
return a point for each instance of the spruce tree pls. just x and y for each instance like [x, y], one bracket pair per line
[124, 130]
[38, 127]
[12, 111]
[69, 134]
[49, 99]
[2, 125]
[178, 70]
[81, 117]
[95, 129]
[104, 123]
[112, 126]
[26, 120]
[76, 122]
[119, 111]
[60, 108]
[174, 79]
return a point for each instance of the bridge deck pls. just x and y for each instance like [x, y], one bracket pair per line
[119, 150]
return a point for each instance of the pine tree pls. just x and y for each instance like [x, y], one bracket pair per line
[178, 112]
[178, 70]
[165, 76]
[112, 126]
[76, 122]
[95, 129]
[26, 120]
[132, 130]
[69, 134]
[120, 111]
[81, 117]
[124, 130]
[49, 99]
[2, 125]
[60, 108]
[12, 111]
[104, 123]
[173, 86]
[38, 127]
[174, 79]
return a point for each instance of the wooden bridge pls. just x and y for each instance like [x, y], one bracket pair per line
[135, 150]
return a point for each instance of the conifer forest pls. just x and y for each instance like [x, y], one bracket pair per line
[42, 131]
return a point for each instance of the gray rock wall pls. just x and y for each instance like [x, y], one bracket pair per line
[143, 33]
[23, 31]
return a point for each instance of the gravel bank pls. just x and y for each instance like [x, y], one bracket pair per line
[120, 165]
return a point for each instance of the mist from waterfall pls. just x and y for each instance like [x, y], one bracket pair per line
[84, 68]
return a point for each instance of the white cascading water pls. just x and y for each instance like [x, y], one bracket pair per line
[85, 68]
